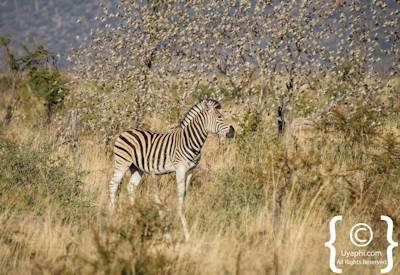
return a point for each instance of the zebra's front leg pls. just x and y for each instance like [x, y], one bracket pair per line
[133, 183]
[188, 180]
[181, 183]
[114, 185]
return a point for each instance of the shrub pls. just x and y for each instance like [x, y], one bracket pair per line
[36, 69]
[31, 179]
[237, 191]
[49, 86]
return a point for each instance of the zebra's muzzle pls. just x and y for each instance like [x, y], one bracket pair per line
[231, 132]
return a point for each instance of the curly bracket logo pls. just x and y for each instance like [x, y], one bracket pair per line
[329, 244]
[361, 235]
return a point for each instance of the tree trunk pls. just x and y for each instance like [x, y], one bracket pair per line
[281, 119]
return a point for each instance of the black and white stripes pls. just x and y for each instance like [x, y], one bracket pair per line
[178, 151]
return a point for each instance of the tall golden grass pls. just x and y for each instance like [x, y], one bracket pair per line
[342, 164]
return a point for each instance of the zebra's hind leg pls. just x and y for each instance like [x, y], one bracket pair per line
[133, 183]
[114, 185]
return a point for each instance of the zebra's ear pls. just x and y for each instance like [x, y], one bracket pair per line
[211, 103]
[205, 103]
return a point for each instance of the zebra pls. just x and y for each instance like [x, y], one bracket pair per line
[178, 151]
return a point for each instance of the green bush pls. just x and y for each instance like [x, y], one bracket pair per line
[251, 121]
[238, 192]
[48, 85]
[32, 180]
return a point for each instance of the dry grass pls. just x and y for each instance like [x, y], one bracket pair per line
[317, 172]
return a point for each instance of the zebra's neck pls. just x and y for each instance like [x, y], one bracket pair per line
[195, 134]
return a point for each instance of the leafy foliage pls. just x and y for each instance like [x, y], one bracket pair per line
[31, 179]
[49, 86]
[36, 69]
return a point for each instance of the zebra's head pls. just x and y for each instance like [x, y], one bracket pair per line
[215, 122]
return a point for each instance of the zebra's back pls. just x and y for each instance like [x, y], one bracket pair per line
[148, 151]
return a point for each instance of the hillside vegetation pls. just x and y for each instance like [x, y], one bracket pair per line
[54, 218]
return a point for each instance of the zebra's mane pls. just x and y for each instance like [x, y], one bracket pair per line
[197, 109]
